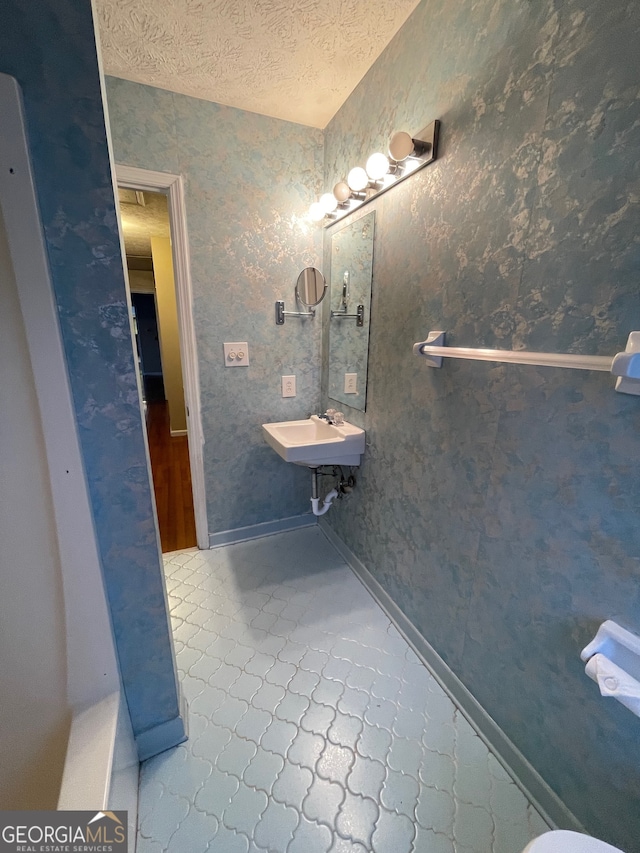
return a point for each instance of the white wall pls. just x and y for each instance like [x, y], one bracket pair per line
[33, 679]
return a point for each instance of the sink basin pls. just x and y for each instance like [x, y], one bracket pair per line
[315, 442]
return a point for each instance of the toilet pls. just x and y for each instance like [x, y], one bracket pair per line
[563, 841]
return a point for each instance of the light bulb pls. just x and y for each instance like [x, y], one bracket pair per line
[328, 202]
[341, 191]
[357, 179]
[409, 165]
[401, 145]
[377, 166]
[316, 212]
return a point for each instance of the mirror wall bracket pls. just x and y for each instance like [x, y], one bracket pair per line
[281, 313]
[358, 316]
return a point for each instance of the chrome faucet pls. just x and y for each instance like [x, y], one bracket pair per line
[333, 417]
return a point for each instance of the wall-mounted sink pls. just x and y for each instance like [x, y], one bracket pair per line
[313, 442]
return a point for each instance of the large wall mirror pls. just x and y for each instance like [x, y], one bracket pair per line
[351, 273]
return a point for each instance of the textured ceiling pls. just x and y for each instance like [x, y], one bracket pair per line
[141, 222]
[296, 60]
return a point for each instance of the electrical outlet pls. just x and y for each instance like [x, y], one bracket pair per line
[351, 383]
[288, 386]
[236, 354]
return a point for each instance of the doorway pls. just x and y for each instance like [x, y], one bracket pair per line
[162, 337]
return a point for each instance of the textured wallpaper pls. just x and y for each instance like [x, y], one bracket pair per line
[249, 181]
[51, 51]
[498, 505]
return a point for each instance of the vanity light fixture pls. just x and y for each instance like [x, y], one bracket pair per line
[316, 212]
[407, 154]
[357, 179]
[402, 145]
[346, 196]
[342, 192]
[328, 202]
[377, 166]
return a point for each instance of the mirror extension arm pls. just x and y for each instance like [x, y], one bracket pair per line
[358, 316]
[281, 313]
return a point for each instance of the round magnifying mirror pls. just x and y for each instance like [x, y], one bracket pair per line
[310, 287]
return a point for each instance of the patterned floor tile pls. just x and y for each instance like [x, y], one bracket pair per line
[323, 801]
[276, 827]
[393, 832]
[292, 786]
[310, 837]
[366, 778]
[306, 749]
[314, 727]
[357, 819]
[217, 792]
[263, 770]
[400, 793]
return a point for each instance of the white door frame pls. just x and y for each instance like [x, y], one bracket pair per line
[134, 178]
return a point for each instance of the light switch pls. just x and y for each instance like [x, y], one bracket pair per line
[236, 354]
[288, 386]
[351, 383]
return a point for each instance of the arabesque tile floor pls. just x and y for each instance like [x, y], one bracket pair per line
[313, 725]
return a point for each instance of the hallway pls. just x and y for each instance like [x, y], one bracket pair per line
[314, 728]
[171, 480]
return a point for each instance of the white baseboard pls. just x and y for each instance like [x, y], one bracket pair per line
[543, 798]
[123, 790]
[255, 531]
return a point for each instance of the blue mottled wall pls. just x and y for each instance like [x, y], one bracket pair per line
[249, 181]
[515, 531]
[49, 47]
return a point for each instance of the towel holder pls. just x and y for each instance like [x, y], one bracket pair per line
[613, 661]
[624, 365]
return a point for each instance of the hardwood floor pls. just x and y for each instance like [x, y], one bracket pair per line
[171, 481]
